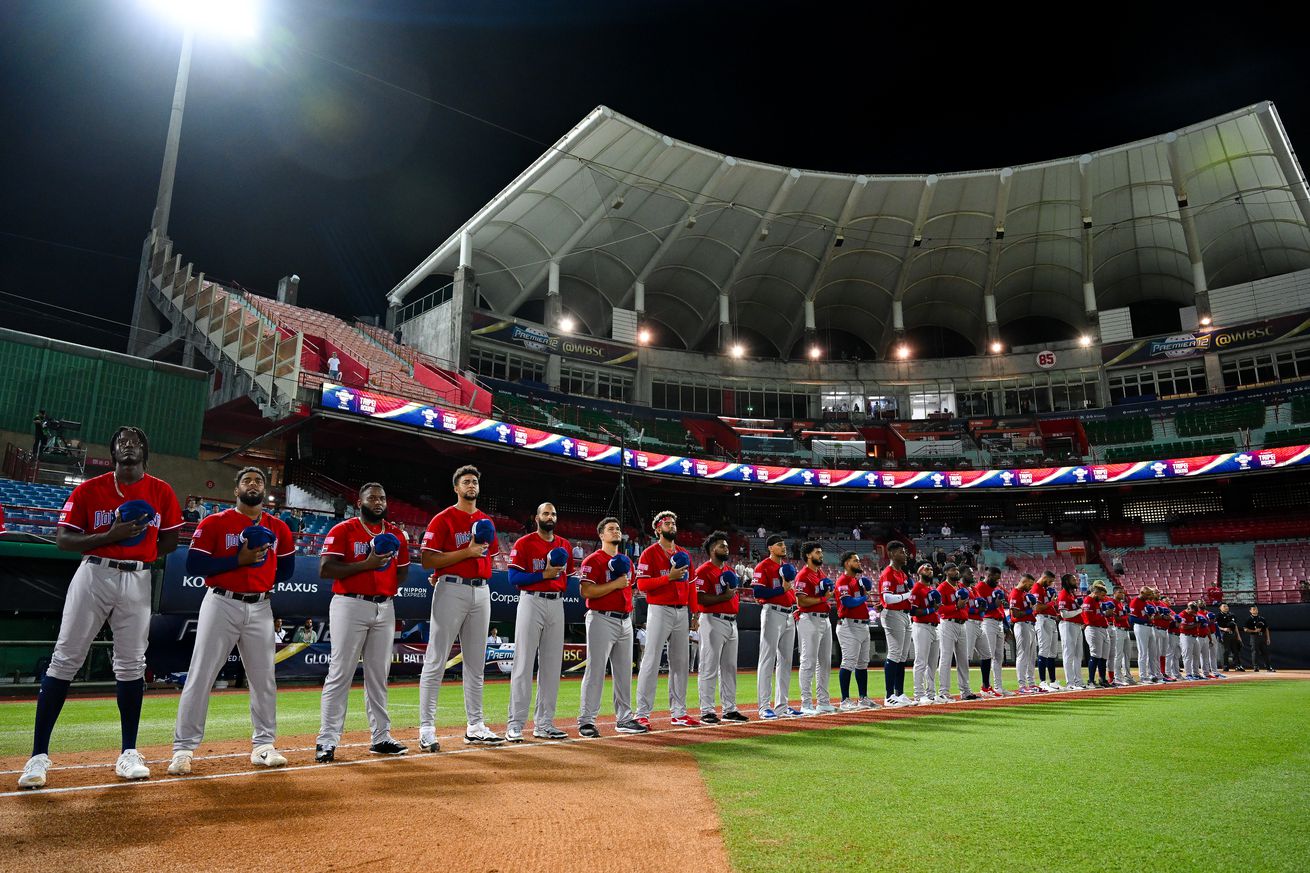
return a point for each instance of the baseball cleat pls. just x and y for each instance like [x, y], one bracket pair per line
[808, 710]
[388, 747]
[482, 735]
[825, 708]
[868, 703]
[790, 712]
[267, 756]
[589, 731]
[325, 755]
[180, 765]
[734, 715]
[849, 705]
[969, 696]
[894, 702]
[632, 726]
[709, 718]
[643, 721]
[684, 721]
[768, 714]
[549, 732]
[131, 765]
[427, 740]
[1220, 676]
[942, 698]
[513, 735]
[34, 772]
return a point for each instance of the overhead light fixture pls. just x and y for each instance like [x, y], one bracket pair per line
[837, 243]
[643, 336]
[235, 19]
[1206, 321]
[1084, 341]
[736, 494]
[566, 324]
[902, 351]
[815, 352]
[764, 233]
[618, 203]
[737, 350]
[691, 222]
[996, 348]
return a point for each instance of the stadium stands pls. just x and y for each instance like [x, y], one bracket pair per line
[1181, 449]
[1279, 570]
[1223, 530]
[1123, 535]
[1225, 419]
[1177, 572]
[1129, 429]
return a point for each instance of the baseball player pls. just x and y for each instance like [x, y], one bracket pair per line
[1211, 651]
[1141, 612]
[772, 584]
[977, 643]
[894, 592]
[663, 575]
[365, 557]
[242, 553]
[1189, 638]
[1097, 608]
[1173, 662]
[1162, 619]
[815, 631]
[993, 627]
[953, 640]
[539, 566]
[605, 582]
[1023, 618]
[457, 549]
[1121, 673]
[1071, 632]
[121, 522]
[853, 593]
[924, 600]
[716, 602]
[1048, 637]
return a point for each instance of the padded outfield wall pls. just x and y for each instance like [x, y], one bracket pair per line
[102, 390]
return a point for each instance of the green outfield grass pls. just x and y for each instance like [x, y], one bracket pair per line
[1056, 786]
[93, 723]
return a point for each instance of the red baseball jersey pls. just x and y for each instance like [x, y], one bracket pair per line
[450, 530]
[1137, 608]
[91, 507]
[1120, 617]
[809, 582]
[949, 608]
[351, 541]
[768, 573]
[983, 588]
[1068, 601]
[595, 569]
[1045, 604]
[1092, 615]
[1214, 595]
[919, 600]
[1189, 618]
[219, 535]
[653, 577]
[1019, 608]
[706, 581]
[893, 581]
[528, 555]
[849, 586]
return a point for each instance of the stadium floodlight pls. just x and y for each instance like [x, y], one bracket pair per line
[566, 324]
[737, 350]
[1206, 321]
[643, 335]
[902, 351]
[235, 19]
[1084, 341]
[996, 348]
[815, 352]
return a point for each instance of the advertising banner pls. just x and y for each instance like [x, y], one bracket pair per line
[1193, 344]
[538, 339]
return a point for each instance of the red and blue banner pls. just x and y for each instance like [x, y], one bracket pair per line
[381, 407]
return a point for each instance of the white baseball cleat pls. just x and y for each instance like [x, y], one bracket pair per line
[482, 735]
[267, 756]
[808, 710]
[895, 702]
[34, 772]
[825, 708]
[943, 698]
[180, 765]
[514, 735]
[849, 705]
[131, 765]
[868, 703]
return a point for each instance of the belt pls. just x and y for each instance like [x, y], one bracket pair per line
[371, 598]
[240, 597]
[856, 620]
[956, 620]
[722, 616]
[668, 605]
[115, 565]
[460, 580]
[611, 613]
[818, 614]
[785, 610]
[545, 595]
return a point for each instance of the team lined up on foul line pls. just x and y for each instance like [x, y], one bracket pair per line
[122, 521]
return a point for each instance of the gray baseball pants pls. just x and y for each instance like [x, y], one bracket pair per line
[1071, 644]
[539, 641]
[718, 662]
[1048, 637]
[664, 624]
[927, 657]
[1025, 652]
[994, 630]
[855, 642]
[816, 658]
[358, 627]
[98, 593]
[457, 611]
[953, 641]
[608, 640]
[777, 642]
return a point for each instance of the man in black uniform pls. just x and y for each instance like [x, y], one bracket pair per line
[1229, 639]
[1257, 631]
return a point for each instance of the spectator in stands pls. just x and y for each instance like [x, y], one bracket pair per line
[761, 532]
[578, 553]
[946, 531]
[294, 520]
[985, 534]
[334, 368]
[41, 433]
[1230, 639]
[856, 533]
[639, 637]
[306, 633]
[349, 512]
[693, 636]
[742, 570]
[1083, 583]
[493, 637]
[192, 513]
[1118, 565]
[1257, 631]
[279, 632]
[1305, 591]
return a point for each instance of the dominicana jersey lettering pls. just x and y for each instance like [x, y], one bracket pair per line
[450, 530]
[90, 509]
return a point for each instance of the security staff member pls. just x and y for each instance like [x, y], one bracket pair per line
[1229, 638]
[1257, 631]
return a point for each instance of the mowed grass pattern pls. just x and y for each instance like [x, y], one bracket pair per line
[1198, 778]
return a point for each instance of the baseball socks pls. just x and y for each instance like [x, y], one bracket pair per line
[862, 682]
[986, 666]
[130, 695]
[844, 677]
[49, 701]
[889, 677]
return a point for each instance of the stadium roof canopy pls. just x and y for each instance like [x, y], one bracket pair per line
[636, 219]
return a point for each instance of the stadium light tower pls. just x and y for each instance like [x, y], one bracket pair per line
[234, 19]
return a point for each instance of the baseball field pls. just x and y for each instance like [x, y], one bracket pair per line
[1156, 778]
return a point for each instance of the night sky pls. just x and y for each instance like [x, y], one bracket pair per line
[290, 162]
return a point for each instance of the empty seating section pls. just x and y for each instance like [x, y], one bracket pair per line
[429, 371]
[32, 508]
[1279, 569]
[1178, 572]
[663, 432]
[1223, 530]
[1220, 419]
[520, 411]
[1058, 563]
[1292, 436]
[1123, 535]
[1301, 410]
[1182, 449]
[1129, 429]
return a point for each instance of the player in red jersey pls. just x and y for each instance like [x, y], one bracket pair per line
[121, 522]
[605, 581]
[993, 629]
[894, 591]
[815, 631]
[1141, 612]
[1070, 608]
[1162, 620]
[458, 546]
[924, 621]
[663, 572]
[1097, 608]
[1048, 630]
[539, 566]
[1023, 618]
[1120, 672]
[953, 637]
[716, 601]
[853, 594]
[367, 557]
[242, 553]
[772, 584]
